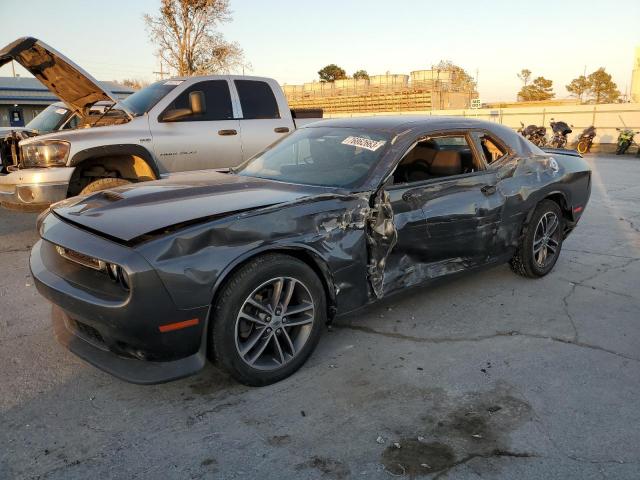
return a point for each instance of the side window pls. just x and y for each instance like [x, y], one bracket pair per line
[436, 157]
[257, 99]
[491, 149]
[217, 101]
[72, 123]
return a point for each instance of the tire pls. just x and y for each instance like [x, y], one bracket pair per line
[622, 148]
[583, 147]
[103, 184]
[527, 263]
[278, 347]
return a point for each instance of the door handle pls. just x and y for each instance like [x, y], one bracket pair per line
[488, 189]
[227, 132]
[281, 129]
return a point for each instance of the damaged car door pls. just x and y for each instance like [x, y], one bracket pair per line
[447, 209]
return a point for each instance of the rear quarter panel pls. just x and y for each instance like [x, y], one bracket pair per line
[531, 180]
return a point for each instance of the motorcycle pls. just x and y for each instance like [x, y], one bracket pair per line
[560, 131]
[535, 134]
[586, 140]
[625, 139]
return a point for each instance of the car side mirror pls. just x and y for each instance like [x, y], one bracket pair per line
[197, 106]
[197, 103]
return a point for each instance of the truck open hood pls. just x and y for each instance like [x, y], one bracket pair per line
[126, 213]
[68, 81]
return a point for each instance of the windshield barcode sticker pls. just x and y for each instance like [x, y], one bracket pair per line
[367, 143]
[173, 82]
[61, 111]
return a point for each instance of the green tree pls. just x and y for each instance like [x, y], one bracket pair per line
[524, 75]
[361, 75]
[540, 89]
[601, 88]
[460, 79]
[578, 87]
[331, 72]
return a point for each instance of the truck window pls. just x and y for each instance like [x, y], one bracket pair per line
[257, 100]
[217, 101]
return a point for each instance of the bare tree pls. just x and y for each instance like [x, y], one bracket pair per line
[134, 83]
[185, 34]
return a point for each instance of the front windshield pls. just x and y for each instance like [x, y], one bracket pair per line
[326, 156]
[144, 100]
[50, 119]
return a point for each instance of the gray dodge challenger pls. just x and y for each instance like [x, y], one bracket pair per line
[247, 267]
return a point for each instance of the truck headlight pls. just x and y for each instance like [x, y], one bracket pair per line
[45, 153]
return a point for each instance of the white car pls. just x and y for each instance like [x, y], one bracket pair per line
[170, 127]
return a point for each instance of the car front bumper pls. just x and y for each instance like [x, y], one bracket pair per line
[34, 189]
[131, 370]
[121, 332]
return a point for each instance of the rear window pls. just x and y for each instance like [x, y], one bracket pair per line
[257, 99]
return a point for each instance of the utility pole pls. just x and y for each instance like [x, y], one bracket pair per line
[161, 72]
[13, 69]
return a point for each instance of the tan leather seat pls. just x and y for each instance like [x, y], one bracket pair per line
[446, 162]
[420, 152]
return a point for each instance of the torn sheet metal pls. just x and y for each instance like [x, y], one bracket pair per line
[382, 236]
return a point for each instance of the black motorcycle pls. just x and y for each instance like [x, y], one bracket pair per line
[560, 131]
[586, 140]
[535, 134]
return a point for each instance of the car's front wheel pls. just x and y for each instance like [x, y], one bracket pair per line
[268, 319]
[540, 245]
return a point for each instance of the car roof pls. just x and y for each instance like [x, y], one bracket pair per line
[400, 123]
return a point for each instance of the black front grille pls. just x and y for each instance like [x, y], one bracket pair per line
[87, 333]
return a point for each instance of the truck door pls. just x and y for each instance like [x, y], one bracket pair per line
[262, 122]
[209, 140]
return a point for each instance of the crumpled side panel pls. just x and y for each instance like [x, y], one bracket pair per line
[382, 236]
[331, 228]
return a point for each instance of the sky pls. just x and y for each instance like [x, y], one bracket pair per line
[291, 40]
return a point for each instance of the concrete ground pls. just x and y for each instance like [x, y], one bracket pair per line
[491, 376]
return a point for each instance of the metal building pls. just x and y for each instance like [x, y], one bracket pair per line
[21, 99]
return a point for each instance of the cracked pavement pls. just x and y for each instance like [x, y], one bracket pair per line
[491, 375]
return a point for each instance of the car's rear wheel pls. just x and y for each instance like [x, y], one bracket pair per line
[541, 243]
[103, 184]
[268, 319]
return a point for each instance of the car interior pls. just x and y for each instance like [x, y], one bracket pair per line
[491, 149]
[435, 157]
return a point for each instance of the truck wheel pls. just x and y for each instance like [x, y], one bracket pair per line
[268, 319]
[103, 184]
[539, 247]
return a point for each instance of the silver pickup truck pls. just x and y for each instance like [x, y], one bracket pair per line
[170, 127]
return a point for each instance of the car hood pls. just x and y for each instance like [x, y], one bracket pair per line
[68, 81]
[5, 131]
[128, 212]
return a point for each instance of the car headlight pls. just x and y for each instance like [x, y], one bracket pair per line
[46, 153]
